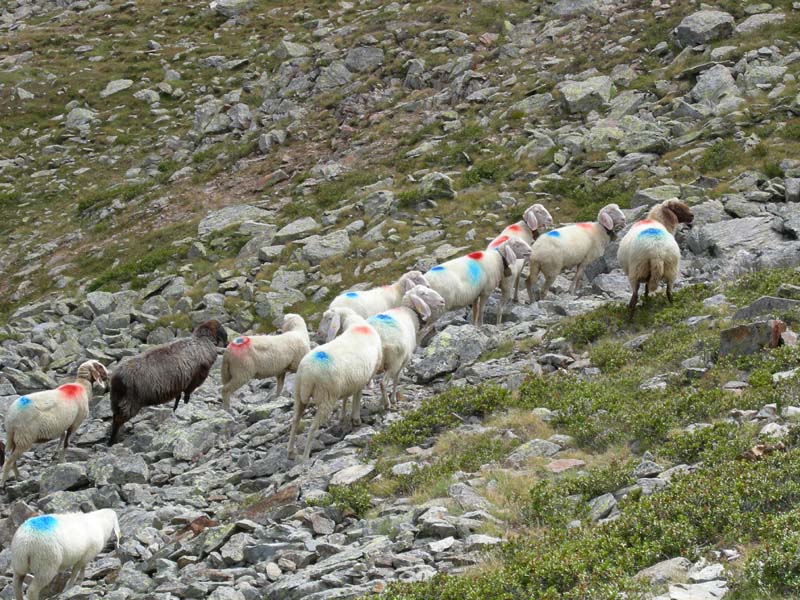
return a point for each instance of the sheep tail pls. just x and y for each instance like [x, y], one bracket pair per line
[2, 453]
[656, 274]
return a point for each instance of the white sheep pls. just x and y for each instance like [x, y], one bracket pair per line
[399, 329]
[46, 415]
[376, 300]
[572, 246]
[261, 356]
[649, 253]
[535, 220]
[470, 280]
[47, 544]
[337, 369]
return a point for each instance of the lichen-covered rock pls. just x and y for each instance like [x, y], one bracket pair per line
[704, 26]
[583, 96]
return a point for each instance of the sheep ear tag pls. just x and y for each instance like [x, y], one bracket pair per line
[421, 307]
[333, 328]
[606, 221]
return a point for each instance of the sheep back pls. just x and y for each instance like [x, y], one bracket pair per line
[569, 246]
[369, 302]
[45, 415]
[459, 281]
[397, 329]
[65, 539]
[262, 356]
[161, 374]
[648, 242]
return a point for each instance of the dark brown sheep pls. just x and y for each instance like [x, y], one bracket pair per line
[162, 374]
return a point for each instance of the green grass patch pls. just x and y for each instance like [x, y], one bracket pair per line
[720, 155]
[350, 499]
[97, 199]
[588, 198]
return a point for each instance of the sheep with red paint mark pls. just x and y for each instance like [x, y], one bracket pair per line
[649, 253]
[259, 356]
[572, 246]
[337, 369]
[46, 415]
[376, 300]
[470, 280]
[46, 544]
[535, 221]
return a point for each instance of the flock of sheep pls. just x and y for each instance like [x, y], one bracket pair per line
[365, 333]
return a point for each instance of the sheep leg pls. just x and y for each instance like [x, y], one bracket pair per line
[343, 412]
[385, 402]
[548, 281]
[116, 424]
[669, 291]
[634, 300]
[395, 381]
[516, 286]
[42, 580]
[311, 433]
[11, 462]
[18, 579]
[533, 275]
[281, 378]
[355, 410]
[77, 573]
[504, 293]
[66, 436]
[227, 391]
[177, 401]
[298, 413]
[578, 274]
[61, 447]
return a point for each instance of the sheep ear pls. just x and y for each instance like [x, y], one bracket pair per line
[530, 220]
[606, 221]
[421, 306]
[408, 283]
[333, 327]
[509, 255]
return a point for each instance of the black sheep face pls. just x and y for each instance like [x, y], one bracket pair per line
[222, 337]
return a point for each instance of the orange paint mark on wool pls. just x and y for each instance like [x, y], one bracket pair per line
[586, 225]
[362, 329]
[477, 255]
[71, 391]
[646, 222]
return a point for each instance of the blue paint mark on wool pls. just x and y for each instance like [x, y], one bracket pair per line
[43, 524]
[238, 340]
[384, 319]
[437, 268]
[352, 294]
[23, 401]
[651, 232]
[554, 233]
[322, 357]
[474, 272]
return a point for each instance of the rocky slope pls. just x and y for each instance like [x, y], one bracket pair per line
[166, 163]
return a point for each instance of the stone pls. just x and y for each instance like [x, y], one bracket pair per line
[118, 467]
[713, 85]
[702, 572]
[704, 26]
[767, 306]
[317, 248]
[100, 303]
[467, 498]
[288, 49]
[584, 96]
[478, 541]
[792, 187]
[231, 8]
[647, 468]
[451, 348]
[380, 203]
[334, 75]
[80, 119]
[564, 464]
[64, 476]
[364, 59]
[352, 474]
[574, 8]
[673, 570]
[295, 230]
[229, 216]
[115, 86]
[601, 507]
[711, 590]
[436, 186]
[532, 449]
[751, 338]
[651, 196]
[754, 22]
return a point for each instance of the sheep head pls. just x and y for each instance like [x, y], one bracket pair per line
[512, 250]
[537, 217]
[411, 279]
[681, 211]
[292, 321]
[611, 218]
[427, 303]
[213, 330]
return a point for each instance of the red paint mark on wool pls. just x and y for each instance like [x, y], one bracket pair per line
[646, 222]
[239, 344]
[513, 227]
[477, 255]
[71, 391]
[586, 225]
[497, 241]
[362, 329]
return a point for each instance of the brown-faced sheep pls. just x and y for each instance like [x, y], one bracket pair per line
[162, 374]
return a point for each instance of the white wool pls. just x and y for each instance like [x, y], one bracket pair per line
[50, 414]
[45, 545]
[572, 246]
[262, 356]
[470, 280]
[376, 300]
[536, 221]
[338, 369]
[399, 330]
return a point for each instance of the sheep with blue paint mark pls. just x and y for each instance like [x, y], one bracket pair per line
[399, 330]
[337, 369]
[535, 220]
[575, 245]
[649, 253]
[46, 415]
[376, 300]
[260, 356]
[47, 544]
[470, 280]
